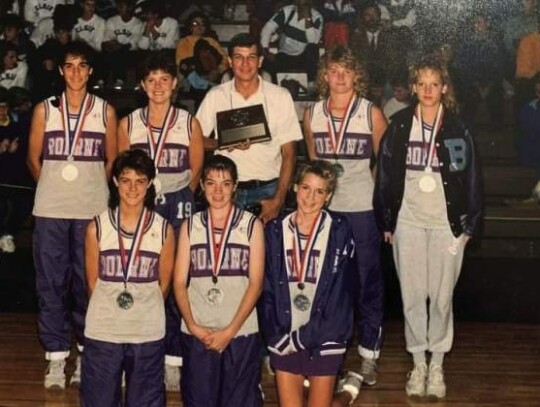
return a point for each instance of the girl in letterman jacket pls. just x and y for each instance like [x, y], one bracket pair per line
[428, 203]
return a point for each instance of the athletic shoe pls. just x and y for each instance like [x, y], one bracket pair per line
[435, 382]
[172, 378]
[54, 375]
[416, 385]
[118, 84]
[99, 85]
[7, 244]
[76, 376]
[368, 371]
[351, 383]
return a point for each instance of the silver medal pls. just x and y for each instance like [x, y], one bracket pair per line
[70, 172]
[301, 302]
[125, 300]
[214, 296]
[427, 184]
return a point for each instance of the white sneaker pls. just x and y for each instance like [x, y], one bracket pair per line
[76, 376]
[368, 371]
[416, 385]
[7, 244]
[54, 375]
[172, 378]
[435, 382]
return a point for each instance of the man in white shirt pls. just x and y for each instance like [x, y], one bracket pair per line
[264, 169]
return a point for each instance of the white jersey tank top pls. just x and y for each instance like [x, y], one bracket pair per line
[354, 192]
[145, 320]
[86, 196]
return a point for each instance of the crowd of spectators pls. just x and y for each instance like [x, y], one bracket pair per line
[493, 54]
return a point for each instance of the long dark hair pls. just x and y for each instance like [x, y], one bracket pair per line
[138, 161]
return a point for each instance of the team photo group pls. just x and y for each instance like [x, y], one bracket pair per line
[184, 252]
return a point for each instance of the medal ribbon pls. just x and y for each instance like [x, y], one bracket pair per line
[337, 141]
[156, 147]
[217, 252]
[300, 263]
[127, 264]
[432, 135]
[66, 123]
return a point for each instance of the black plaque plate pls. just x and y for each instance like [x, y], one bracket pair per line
[238, 125]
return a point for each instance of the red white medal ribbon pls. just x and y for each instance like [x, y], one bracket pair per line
[432, 136]
[217, 251]
[127, 264]
[301, 262]
[156, 147]
[70, 145]
[337, 137]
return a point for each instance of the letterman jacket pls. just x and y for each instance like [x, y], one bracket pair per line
[459, 167]
[331, 320]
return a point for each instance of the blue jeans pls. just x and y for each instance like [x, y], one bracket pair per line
[247, 197]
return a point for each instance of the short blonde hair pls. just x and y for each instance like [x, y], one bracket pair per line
[434, 64]
[320, 168]
[345, 57]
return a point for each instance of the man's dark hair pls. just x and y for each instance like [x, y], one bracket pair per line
[155, 7]
[5, 47]
[370, 4]
[244, 40]
[77, 49]
[138, 161]
[159, 60]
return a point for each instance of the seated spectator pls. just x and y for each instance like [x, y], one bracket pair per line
[401, 13]
[375, 45]
[37, 10]
[160, 32]
[339, 19]
[13, 32]
[49, 82]
[90, 27]
[15, 202]
[518, 26]
[527, 65]
[122, 35]
[199, 28]
[260, 11]
[300, 27]
[529, 141]
[401, 97]
[44, 30]
[479, 65]
[12, 71]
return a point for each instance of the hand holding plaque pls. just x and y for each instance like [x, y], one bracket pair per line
[237, 126]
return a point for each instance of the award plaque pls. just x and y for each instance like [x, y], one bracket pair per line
[238, 125]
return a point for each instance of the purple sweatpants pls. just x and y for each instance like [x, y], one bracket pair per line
[229, 379]
[177, 206]
[103, 364]
[60, 281]
[370, 304]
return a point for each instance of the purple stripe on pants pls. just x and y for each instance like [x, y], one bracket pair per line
[370, 302]
[60, 281]
[178, 206]
[229, 379]
[102, 367]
